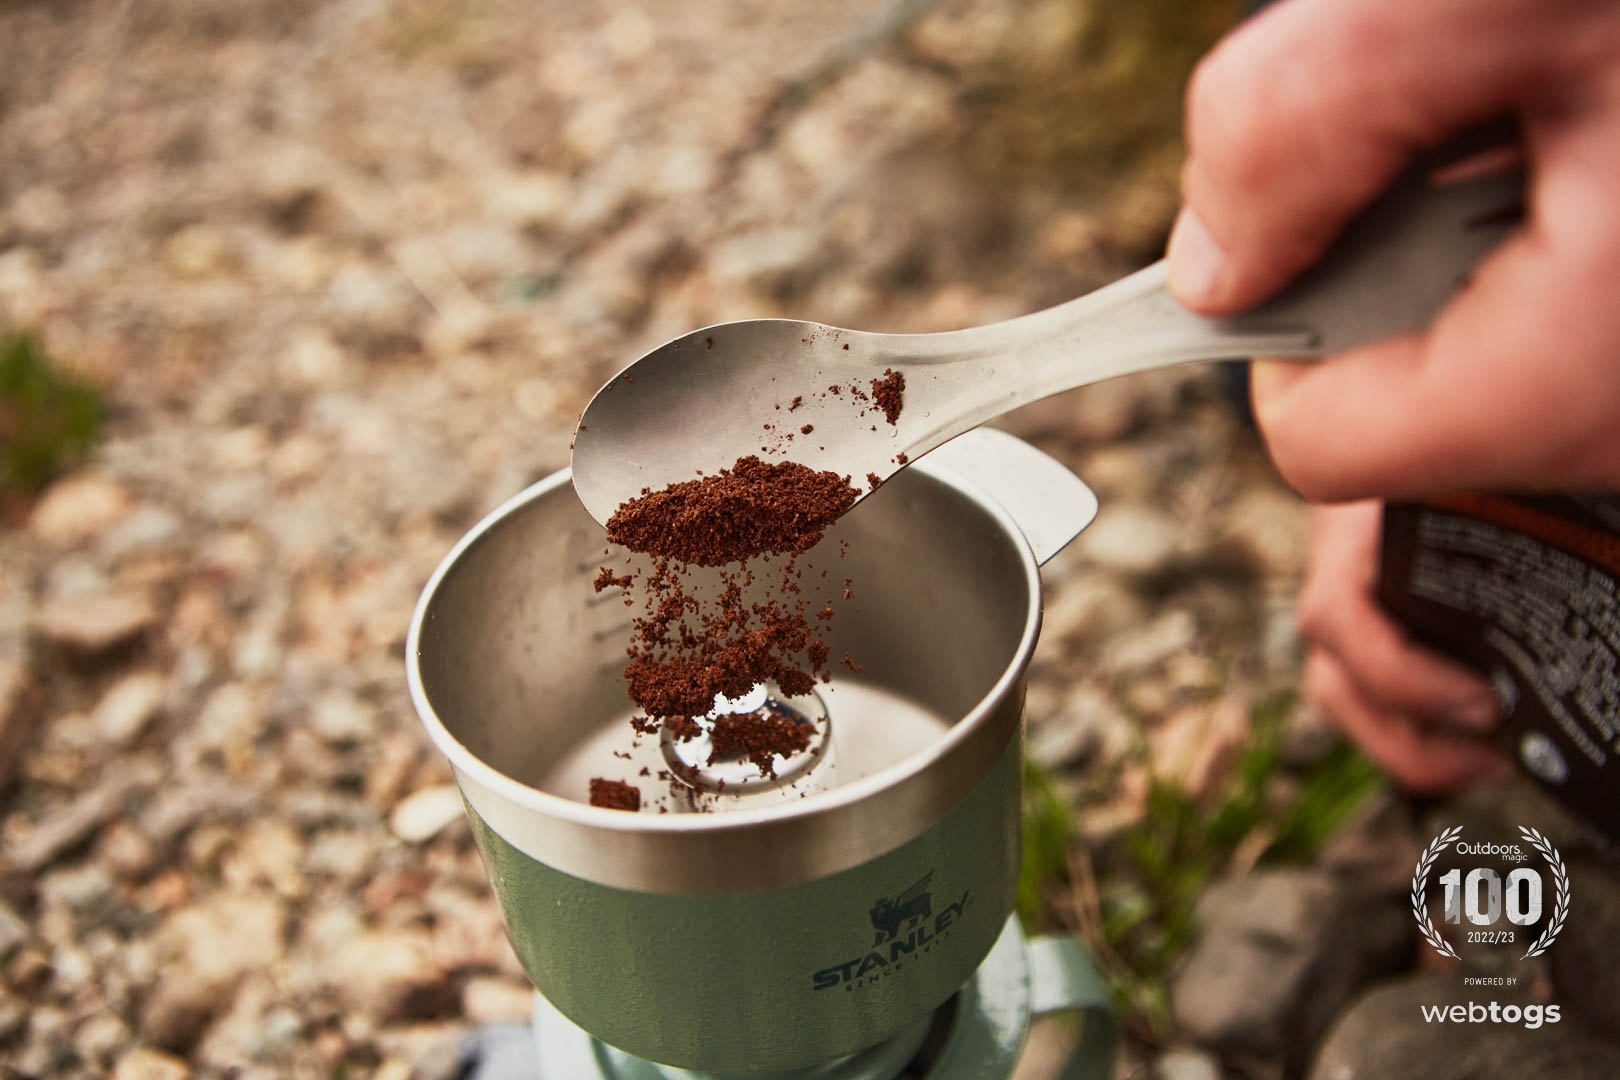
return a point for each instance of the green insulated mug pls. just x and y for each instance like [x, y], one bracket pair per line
[803, 921]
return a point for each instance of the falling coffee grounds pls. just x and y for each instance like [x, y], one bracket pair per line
[615, 794]
[759, 737]
[749, 524]
[607, 579]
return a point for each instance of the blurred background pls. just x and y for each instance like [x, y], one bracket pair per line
[292, 292]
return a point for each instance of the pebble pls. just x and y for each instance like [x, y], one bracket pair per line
[313, 359]
[1130, 539]
[19, 717]
[391, 976]
[1187, 1064]
[124, 711]
[93, 624]
[13, 931]
[341, 717]
[70, 825]
[76, 508]
[145, 1063]
[421, 815]
[1152, 643]
[486, 1000]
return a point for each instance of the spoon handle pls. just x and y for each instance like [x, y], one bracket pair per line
[1390, 271]
[1131, 325]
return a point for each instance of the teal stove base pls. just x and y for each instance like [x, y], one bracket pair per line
[977, 1035]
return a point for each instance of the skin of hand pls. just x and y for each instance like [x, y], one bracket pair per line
[1304, 114]
[1416, 713]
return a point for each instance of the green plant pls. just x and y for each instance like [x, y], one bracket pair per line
[47, 419]
[1047, 829]
[1150, 886]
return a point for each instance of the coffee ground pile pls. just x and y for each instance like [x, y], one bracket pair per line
[759, 737]
[747, 510]
[615, 794]
[688, 648]
[889, 394]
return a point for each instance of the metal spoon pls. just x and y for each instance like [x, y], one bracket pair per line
[698, 403]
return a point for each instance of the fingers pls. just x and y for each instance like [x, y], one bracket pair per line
[1510, 388]
[1393, 697]
[1301, 116]
[1338, 614]
[1423, 760]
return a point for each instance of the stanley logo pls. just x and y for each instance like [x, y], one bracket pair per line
[908, 928]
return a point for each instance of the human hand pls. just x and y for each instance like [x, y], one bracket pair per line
[1416, 713]
[1304, 114]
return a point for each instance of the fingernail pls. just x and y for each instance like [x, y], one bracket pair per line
[1479, 714]
[1196, 260]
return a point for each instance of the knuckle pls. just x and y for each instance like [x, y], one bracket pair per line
[1321, 685]
[1315, 613]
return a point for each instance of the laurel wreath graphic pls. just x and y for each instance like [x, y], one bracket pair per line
[1560, 911]
[1420, 887]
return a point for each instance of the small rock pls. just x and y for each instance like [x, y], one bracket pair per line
[71, 825]
[77, 887]
[269, 853]
[204, 950]
[101, 1037]
[1130, 539]
[145, 1063]
[1274, 526]
[314, 359]
[1152, 643]
[146, 528]
[392, 977]
[13, 1016]
[1087, 722]
[341, 717]
[126, 849]
[20, 717]
[431, 1049]
[13, 931]
[1188, 1065]
[41, 210]
[532, 198]
[224, 936]
[92, 624]
[1089, 607]
[763, 252]
[486, 1000]
[76, 508]
[1384, 1036]
[420, 816]
[125, 710]
[1279, 953]
[198, 250]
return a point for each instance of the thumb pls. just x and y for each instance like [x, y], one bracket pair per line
[1304, 114]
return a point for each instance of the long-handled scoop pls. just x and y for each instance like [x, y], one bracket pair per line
[698, 403]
